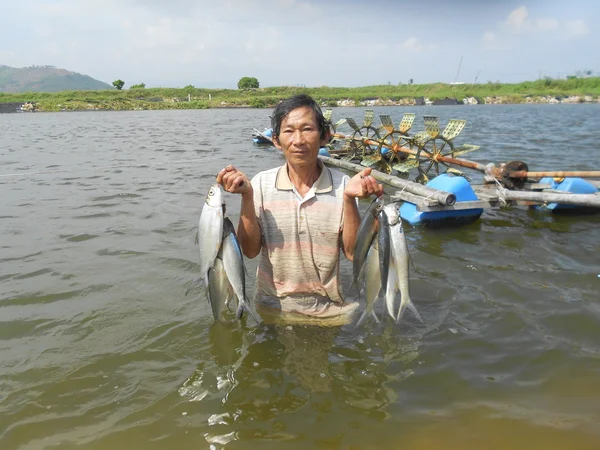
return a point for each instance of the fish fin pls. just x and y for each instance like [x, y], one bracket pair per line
[196, 282]
[365, 315]
[243, 306]
[408, 305]
[413, 308]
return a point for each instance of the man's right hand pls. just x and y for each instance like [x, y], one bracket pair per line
[234, 181]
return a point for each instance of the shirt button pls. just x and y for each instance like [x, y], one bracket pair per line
[301, 217]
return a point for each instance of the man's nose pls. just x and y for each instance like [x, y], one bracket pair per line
[298, 137]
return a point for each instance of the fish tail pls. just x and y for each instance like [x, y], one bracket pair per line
[389, 303]
[365, 315]
[196, 282]
[243, 306]
[411, 306]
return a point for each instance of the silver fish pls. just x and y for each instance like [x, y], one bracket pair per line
[383, 240]
[372, 285]
[391, 288]
[400, 257]
[210, 231]
[220, 291]
[233, 262]
[364, 237]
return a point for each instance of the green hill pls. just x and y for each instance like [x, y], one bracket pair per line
[46, 79]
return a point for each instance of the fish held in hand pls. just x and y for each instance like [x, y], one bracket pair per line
[220, 291]
[383, 241]
[400, 257]
[364, 237]
[233, 262]
[372, 285]
[210, 231]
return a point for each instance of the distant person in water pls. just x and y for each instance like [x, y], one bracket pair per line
[298, 217]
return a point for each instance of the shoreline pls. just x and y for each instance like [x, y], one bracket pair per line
[172, 104]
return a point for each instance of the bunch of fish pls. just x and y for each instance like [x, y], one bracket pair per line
[382, 255]
[222, 269]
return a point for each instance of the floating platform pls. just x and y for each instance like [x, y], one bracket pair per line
[263, 138]
[450, 200]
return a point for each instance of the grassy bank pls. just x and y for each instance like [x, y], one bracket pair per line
[582, 89]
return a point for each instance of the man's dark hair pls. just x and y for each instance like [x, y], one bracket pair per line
[283, 109]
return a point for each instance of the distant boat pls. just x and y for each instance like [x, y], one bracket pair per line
[263, 138]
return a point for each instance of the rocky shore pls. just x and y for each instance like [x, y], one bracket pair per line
[169, 103]
[499, 100]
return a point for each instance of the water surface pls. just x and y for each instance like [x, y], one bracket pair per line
[100, 348]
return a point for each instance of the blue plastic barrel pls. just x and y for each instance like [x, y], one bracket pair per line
[572, 185]
[448, 183]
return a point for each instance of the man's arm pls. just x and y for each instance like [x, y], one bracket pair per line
[248, 234]
[361, 185]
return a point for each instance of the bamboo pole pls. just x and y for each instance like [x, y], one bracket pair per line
[555, 174]
[444, 198]
[592, 200]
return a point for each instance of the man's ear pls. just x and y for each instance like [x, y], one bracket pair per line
[275, 140]
[327, 137]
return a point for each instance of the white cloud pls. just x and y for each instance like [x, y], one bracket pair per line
[518, 18]
[546, 24]
[577, 28]
[519, 22]
[488, 36]
[412, 44]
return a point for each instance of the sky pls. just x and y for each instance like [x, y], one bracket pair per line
[342, 43]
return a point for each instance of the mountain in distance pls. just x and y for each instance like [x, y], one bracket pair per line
[46, 79]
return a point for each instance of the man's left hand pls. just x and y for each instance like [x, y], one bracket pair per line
[363, 185]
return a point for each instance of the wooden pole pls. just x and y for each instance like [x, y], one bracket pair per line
[555, 174]
[592, 200]
[444, 198]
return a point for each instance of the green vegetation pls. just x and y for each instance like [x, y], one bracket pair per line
[248, 83]
[119, 84]
[138, 86]
[170, 98]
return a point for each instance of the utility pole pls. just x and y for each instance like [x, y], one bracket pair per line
[458, 71]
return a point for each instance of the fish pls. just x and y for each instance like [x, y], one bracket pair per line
[210, 231]
[233, 263]
[400, 255]
[383, 241]
[372, 285]
[209, 236]
[220, 291]
[391, 288]
[364, 237]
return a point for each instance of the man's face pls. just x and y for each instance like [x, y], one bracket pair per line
[299, 138]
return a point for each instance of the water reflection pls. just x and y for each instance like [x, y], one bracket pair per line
[272, 380]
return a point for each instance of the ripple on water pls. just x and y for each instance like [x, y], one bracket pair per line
[78, 237]
[42, 298]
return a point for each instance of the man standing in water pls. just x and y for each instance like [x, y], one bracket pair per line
[298, 217]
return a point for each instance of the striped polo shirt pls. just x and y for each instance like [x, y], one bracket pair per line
[301, 237]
